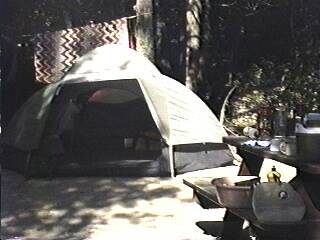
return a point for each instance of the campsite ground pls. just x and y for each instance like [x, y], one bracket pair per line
[103, 208]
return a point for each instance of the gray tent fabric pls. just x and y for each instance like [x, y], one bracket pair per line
[25, 129]
[117, 76]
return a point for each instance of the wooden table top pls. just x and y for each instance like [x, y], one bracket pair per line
[264, 152]
[204, 186]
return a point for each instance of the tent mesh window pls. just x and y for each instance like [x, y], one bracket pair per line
[107, 128]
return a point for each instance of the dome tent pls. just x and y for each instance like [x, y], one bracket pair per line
[123, 99]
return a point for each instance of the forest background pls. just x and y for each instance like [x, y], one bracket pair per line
[257, 53]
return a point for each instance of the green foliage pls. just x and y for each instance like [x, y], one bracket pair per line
[294, 81]
[290, 84]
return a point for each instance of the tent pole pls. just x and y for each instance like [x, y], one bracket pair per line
[171, 160]
[27, 165]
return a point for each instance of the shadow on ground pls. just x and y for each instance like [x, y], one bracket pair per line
[64, 208]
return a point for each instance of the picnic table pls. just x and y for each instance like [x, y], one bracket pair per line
[305, 184]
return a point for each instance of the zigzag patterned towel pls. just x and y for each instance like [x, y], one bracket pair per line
[55, 52]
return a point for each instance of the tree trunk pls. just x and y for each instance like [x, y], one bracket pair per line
[145, 28]
[170, 27]
[193, 52]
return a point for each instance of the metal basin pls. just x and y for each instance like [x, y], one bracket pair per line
[235, 192]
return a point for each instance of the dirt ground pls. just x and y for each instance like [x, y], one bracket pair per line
[104, 208]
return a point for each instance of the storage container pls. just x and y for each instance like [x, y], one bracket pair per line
[308, 139]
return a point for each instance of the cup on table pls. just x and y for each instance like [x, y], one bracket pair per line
[275, 144]
[288, 146]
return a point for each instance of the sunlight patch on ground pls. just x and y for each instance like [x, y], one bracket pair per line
[96, 208]
[168, 231]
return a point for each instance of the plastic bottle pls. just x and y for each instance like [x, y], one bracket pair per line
[251, 132]
[274, 175]
[279, 123]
